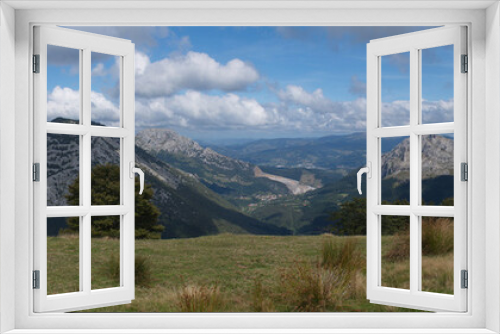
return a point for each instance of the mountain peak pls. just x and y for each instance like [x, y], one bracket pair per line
[161, 141]
[437, 158]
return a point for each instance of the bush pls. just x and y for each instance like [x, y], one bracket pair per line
[105, 190]
[200, 299]
[342, 254]
[143, 271]
[437, 236]
[312, 288]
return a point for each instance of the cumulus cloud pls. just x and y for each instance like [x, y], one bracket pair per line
[197, 110]
[65, 102]
[437, 111]
[193, 71]
[395, 113]
[297, 111]
[314, 101]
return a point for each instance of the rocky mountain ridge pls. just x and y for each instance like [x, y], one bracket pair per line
[158, 141]
[437, 158]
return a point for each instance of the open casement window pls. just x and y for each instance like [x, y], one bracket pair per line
[418, 125]
[76, 140]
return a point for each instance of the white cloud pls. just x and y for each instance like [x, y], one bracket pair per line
[197, 110]
[65, 102]
[437, 111]
[193, 71]
[298, 111]
[141, 62]
[395, 113]
[316, 101]
[99, 70]
[103, 110]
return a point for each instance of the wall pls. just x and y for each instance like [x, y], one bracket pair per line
[7, 160]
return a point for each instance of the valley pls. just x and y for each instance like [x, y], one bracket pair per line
[267, 187]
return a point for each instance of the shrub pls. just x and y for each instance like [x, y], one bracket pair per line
[105, 191]
[437, 236]
[341, 253]
[200, 299]
[312, 288]
[143, 272]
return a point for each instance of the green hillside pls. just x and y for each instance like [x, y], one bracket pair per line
[190, 209]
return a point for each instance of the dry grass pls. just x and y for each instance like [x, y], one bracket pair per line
[312, 288]
[260, 298]
[342, 254]
[192, 298]
[399, 249]
[437, 273]
[245, 273]
[437, 236]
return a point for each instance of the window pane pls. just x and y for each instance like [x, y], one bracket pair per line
[63, 84]
[105, 96]
[105, 171]
[437, 170]
[437, 84]
[105, 252]
[395, 90]
[395, 170]
[396, 252]
[437, 254]
[63, 163]
[63, 255]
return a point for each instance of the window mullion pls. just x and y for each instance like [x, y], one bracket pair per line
[414, 169]
[86, 172]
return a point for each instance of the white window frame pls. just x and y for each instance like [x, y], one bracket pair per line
[414, 43]
[85, 43]
[483, 315]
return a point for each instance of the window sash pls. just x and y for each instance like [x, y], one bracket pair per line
[414, 297]
[86, 297]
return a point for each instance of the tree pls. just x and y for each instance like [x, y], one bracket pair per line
[105, 190]
[351, 219]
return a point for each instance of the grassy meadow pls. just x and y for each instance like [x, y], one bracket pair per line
[248, 273]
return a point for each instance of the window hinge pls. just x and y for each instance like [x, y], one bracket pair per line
[36, 172]
[465, 279]
[465, 64]
[36, 279]
[36, 63]
[464, 167]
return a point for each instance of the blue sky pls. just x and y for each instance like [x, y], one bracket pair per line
[252, 82]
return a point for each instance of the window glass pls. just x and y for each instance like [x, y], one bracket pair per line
[437, 84]
[63, 84]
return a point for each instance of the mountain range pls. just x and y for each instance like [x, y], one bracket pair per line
[293, 188]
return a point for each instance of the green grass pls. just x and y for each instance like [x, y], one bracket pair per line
[238, 273]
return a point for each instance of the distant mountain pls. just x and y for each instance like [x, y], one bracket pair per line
[437, 158]
[437, 185]
[437, 170]
[332, 152]
[188, 208]
[226, 176]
